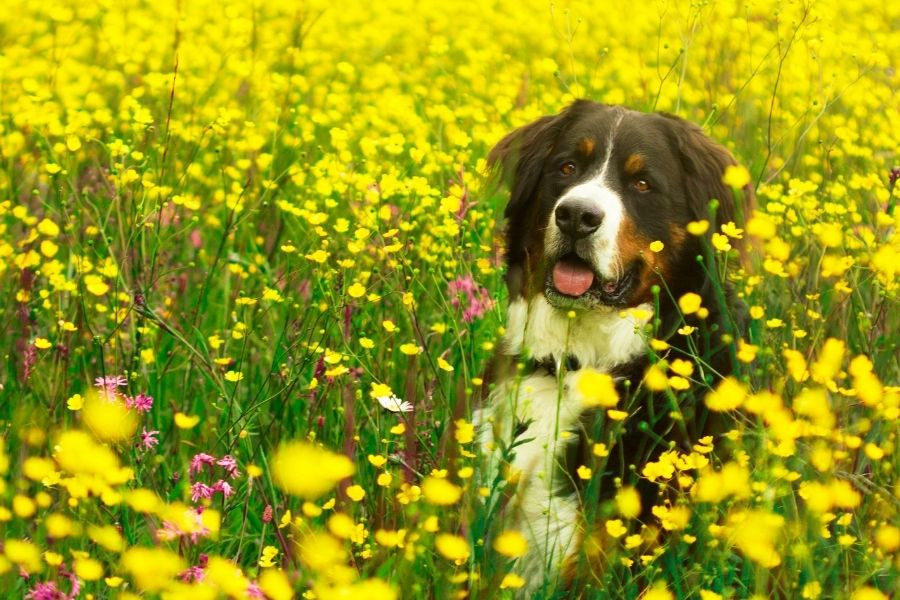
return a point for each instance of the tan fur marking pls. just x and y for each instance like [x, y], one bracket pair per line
[633, 246]
[634, 163]
[586, 146]
[678, 235]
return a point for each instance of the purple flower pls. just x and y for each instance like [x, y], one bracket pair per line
[228, 463]
[141, 403]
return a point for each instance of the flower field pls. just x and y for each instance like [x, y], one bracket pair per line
[251, 269]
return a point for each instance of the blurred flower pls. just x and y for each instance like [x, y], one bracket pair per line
[474, 299]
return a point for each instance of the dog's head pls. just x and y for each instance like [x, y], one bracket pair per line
[592, 187]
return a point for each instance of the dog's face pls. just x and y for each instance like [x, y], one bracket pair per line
[592, 188]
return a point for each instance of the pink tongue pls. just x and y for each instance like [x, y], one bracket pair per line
[572, 279]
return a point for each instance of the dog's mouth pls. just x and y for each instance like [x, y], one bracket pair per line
[573, 283]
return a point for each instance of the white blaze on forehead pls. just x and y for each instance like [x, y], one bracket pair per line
[600, 248]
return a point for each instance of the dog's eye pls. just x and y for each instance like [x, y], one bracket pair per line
[641, 185]
[567, 168]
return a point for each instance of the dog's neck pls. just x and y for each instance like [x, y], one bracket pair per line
[601, 338]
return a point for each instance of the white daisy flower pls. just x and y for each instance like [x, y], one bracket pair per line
[394, 404]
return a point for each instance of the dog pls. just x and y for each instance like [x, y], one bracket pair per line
[590, 189]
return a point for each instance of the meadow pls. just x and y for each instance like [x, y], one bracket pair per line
[237, 236]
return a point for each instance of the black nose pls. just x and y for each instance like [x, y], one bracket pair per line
[578, 217]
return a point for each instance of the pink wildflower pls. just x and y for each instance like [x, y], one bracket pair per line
[109, 385]
[45, 591]
[141, 403]
[199, 460]
[228, 463]
[200, 490]
[471, 297]
[267, 514]
[148, 439]
[192, 574]
[253, 591]
[223, 487]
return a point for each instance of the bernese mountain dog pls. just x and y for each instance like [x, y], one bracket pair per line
[590, 189]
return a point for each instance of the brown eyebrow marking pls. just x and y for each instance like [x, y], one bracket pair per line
[634, 163]
[586, 146]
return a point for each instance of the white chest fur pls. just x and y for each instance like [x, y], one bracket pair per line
[598, 339]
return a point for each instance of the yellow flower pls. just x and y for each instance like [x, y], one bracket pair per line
[95, 285]
[275, 584]
[698, 228]
[52, 558]
[736, 176]
[452, 547]
[601, 450]
[308, 471]
[183, 421]
[410, 349]
[728, 395]
[377, 460]
[356, 493]
[464, 432]
[597, 389]
[76, 402]
[23, 553]
[319, 256]
[23, 506]
[657, 592]
[689, 303]
[444, 365]
[584, 472]
[440, 492]
[868, 593]
[268, 557]
[42, 343]
[511, 581]
[153, 569]
[615, 528]
[511, 543]
[108, 419]
[88, 569]
[682, 367]
[628, 502]
[720, 242]
[341, 525]
[674, 518]
[357, 290]
[655, 378]
[234, 376]
[107, 536]
[656, 246]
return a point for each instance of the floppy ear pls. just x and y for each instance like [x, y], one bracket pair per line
[519, 160]
[704, 162]
[519, 157]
